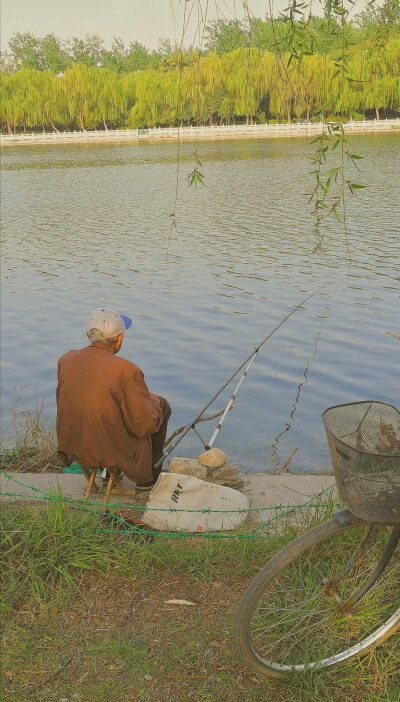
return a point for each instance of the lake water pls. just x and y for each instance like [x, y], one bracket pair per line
[90, 226]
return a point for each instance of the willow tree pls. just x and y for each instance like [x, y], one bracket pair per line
[227, 110]
[347, 93]
[127, 84]
[382, 71]
[311, 80]
[7, 108]
[149, 90]
[25, 111]
[80, 95]
[246, 80]
[392, 58]
[32, 98]
[109, 99]
[282, 92]
[175, 108]
[201, 88]
[52, 100]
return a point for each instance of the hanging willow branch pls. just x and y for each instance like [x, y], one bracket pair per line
[331, 179]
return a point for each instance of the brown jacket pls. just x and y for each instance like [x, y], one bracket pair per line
[105, 413]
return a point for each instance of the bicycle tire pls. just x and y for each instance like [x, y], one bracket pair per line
[257, 610]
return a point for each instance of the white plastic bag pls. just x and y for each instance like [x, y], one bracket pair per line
[219, 508]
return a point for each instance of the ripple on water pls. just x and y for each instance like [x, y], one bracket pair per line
[85, 226]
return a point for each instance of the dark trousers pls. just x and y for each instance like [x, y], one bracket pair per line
[158, 439]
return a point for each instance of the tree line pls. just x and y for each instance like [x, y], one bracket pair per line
[217, 87]
[320, 34]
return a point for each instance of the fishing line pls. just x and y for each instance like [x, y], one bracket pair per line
[248, 362]
[288, 424]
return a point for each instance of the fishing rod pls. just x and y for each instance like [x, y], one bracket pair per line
[248, 363]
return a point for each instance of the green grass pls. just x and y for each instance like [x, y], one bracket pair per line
[299, 619]
[46, 550]
[86, 614]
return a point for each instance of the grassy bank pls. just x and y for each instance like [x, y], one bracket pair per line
[31, 434]
[86, 616]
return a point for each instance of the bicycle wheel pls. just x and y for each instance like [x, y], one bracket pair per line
[315, 603]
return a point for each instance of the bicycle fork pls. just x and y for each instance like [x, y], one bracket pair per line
[345, 517]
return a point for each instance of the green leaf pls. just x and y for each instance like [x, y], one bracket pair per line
[356, 186]
[331, 172]
[195, 178]
[324, 106]
[333, 212]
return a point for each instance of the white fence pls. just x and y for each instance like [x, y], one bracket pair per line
[234, 131]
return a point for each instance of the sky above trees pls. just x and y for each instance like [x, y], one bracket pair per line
[144, 21]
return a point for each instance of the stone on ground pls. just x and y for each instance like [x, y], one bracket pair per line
[226, 474]
[214, 458]
[188, 466]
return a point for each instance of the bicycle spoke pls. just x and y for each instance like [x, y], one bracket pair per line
[301, 616]
[290, 618]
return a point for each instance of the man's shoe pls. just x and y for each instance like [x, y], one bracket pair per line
[146, 486]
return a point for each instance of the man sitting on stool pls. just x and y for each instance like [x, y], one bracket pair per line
[106, 416]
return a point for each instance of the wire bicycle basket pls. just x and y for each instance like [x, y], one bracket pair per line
[364, 444]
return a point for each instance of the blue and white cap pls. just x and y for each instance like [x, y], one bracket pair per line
[110, 322]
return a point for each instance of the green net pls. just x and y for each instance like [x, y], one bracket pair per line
[128, 516]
